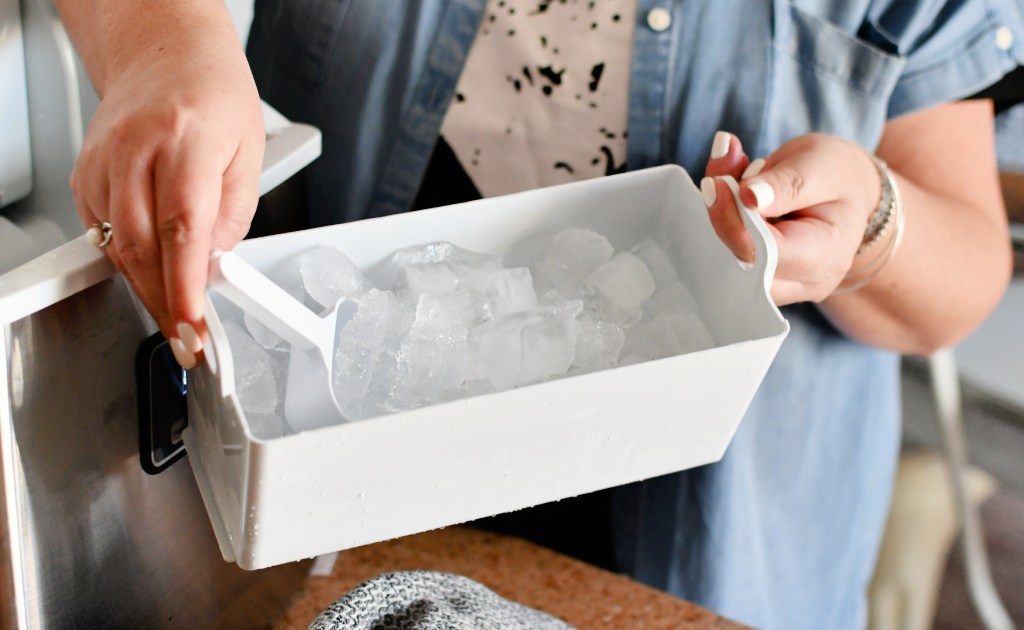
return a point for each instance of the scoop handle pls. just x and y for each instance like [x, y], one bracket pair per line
[256, 294]
[766, 252]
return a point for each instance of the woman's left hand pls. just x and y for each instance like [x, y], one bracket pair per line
[817, 193]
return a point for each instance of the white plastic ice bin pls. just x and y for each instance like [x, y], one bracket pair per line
[274, 501]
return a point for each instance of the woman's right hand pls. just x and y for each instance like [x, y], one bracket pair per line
[172, 155]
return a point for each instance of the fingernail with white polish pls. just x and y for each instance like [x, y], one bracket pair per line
[707, 189]
[754, 168]
[720, 145]
[763, 194]
[184, 358]
[189, 337]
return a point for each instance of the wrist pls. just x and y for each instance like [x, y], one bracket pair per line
[882, 235]
[119, 39]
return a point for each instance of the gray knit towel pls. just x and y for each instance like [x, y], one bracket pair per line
[429, 600]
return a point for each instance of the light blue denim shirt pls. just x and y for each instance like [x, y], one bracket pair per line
[783, 532]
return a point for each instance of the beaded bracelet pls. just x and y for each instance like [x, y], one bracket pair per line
[890, 210]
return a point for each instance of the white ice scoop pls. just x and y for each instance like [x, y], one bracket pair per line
[309, 400]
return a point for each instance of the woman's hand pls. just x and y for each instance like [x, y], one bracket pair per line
[937, 282]
[817, 193]
[172, 156]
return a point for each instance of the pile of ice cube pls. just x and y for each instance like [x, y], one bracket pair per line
[452, 323]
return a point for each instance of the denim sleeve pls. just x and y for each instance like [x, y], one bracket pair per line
[1009, 131]
[952, 48]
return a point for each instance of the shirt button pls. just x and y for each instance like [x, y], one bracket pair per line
[1004, 38]
[659, 19]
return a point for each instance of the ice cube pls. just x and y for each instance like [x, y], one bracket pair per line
[423, 254]
[686, 332]
[254, 377]
[551, 298]
[548, 276]
[432, 359]
[667, 335]
[549, 342]
[434, 322]
[472, 306]
[619, 288]
[511, 291]
[441, 252]
[267, 426]
[436, 279]
[598, 343]
[426, 370]
[471, 388]
[473, 260]
[642, 343]
[376, 328]
[380, 319]
[354, 365]
[261, 333]
[525, 347]
[574, 254]
[496, 351]
[674, 298]
[440, 269]
[382, 382]
[658, 263]
[579, 250]
[279, 363]
[328, 275]
[478, 274]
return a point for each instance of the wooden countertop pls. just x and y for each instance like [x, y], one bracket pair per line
[578, 593]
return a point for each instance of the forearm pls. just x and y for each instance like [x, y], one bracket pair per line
[115, 37]
[954, 261]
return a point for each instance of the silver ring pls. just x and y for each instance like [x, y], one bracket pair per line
[99, 234]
